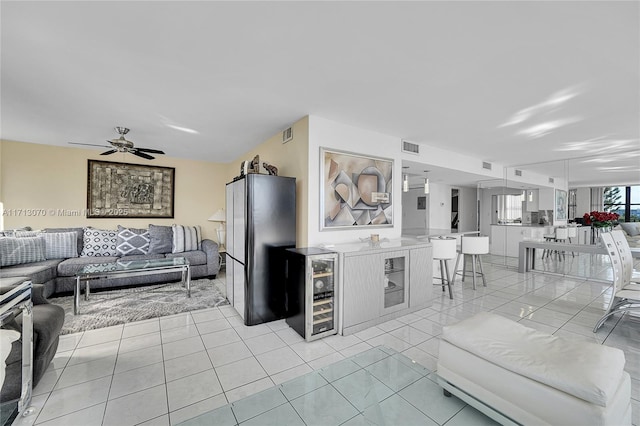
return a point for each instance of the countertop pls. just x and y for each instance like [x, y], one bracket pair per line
[383, 244]
[428, 233]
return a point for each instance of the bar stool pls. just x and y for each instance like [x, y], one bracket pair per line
[473, 246]
[444, 249]
[548, 238]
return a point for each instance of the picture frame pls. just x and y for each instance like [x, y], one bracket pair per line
[355, 190]
[123, 190]
[561, 205]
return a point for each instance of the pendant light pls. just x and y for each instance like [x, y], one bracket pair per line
[405, 183]
[426, 183]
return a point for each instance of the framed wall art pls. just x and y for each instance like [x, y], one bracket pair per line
[116, 190]
[356, 190]
[561, 205]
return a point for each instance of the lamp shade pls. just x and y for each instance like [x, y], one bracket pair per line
[218, 216]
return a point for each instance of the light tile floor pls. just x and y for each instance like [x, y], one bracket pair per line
[168, 370]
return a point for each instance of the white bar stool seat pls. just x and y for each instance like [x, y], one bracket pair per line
[444, 249]
[473, 246]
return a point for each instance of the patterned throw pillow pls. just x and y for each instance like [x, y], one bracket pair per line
[16, 251]
[185, 238]
[99, 242]
[160, 239]
[60, 245]
[132, 241]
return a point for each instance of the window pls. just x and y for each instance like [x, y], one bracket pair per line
[624, 200]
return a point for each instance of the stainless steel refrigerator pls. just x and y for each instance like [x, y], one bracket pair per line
[261, 225]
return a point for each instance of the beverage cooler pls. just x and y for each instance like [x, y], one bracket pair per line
[310, 285]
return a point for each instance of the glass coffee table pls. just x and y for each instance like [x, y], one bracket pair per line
[128, 268]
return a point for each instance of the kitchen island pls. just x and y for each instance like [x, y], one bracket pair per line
[381, 281]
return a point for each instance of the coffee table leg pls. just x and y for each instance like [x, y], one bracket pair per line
[188, 282]
[76, 296]
[87, 290]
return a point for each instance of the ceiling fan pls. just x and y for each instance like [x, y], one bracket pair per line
[123, 145]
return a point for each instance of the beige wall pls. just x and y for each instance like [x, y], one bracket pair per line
[291, 159]
[54, 178]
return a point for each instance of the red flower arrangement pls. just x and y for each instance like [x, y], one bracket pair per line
[601, 219]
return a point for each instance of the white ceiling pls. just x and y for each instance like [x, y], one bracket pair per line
[508, 82]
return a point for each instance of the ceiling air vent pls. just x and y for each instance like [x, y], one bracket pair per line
[551, 180]
[486, 165]
[518, 172]
[287, 135]
[410, 147]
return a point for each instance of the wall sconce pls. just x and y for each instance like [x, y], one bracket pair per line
[219, 216]
[426, 183]
[405, 183]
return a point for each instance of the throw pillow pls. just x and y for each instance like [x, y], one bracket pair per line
[631, 228]
[22, 233]
[132, 241]
[16, 251]
[99, 242]
[160, 239]
[78, 231]
[60, 245]
[185, 238]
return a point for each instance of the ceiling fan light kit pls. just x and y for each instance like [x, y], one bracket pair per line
[121, 144]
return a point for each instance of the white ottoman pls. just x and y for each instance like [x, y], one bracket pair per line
[518, 375]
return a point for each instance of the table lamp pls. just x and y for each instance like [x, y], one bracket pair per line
[219, 216]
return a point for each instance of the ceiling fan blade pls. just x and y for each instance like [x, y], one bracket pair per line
[111, 151]
[90, 144]
[135, 151]
[153, 151]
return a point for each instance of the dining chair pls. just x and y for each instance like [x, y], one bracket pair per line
[623, 299]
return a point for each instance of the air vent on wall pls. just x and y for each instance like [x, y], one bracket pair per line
[287, 135]
[518, 172]
[551, 180]
[410, 147]
[486, 165]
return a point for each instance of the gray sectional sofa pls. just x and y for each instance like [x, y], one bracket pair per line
[58, 275]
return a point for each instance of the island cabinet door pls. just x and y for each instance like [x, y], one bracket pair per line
[395, 289]
[420, 276]
[362, 280]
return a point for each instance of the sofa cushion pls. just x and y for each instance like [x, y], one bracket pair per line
[160, 239]
[78, 231]
[142, 257]
[69, 267]
[99, 242]
[132, 241]
[16, 251]
[38, 272]
[195, 257]
[185, 238]
[586, 370]
[631, 228]
[7, 337]
[60, 245]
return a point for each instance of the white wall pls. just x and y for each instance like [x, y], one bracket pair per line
[330, 134]
[412, 218]
[583, 201]
[467, 209]
[439, 206]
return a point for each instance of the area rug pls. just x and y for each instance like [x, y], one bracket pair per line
[113, 307]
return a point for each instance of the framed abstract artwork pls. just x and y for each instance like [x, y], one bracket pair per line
[116, 190]
[561, 205]
[356, 190]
